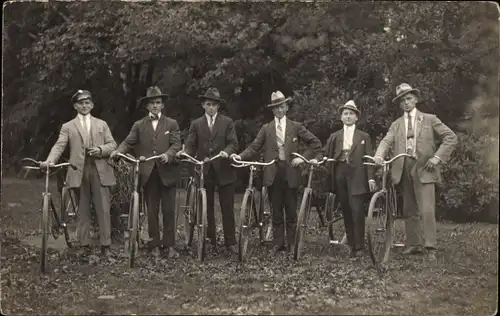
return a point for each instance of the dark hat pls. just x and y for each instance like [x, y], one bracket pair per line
[153, 92]
[350, 105]
[212, 94]
[81, 95]
[278, 98]
[404, 89]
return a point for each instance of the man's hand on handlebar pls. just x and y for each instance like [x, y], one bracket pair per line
[114, 155]
[223, 154]
[46, 163]
[235, 157]
[379, 161]
[297, 161]
[164, 158]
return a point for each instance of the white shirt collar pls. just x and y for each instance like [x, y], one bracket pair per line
[413, 113]
[282, 120]
[208, 117]
[350, 128]
[83, 117]
[151, 115]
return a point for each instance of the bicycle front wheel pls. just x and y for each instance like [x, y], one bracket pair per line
[45, 226]
[302, 220]
[335, 219]
[245, 224]
[379, 228]
[189, 213]
[134, 230]
[201, 222]
[265, 223]
[68, 215]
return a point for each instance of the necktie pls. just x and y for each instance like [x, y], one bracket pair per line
[279, 137]
[409, 136]
[155, 117]
[211, 123]
[86, 131]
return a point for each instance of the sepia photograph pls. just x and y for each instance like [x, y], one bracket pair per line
[249, 157]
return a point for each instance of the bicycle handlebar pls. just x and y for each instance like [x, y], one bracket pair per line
[63, 164]
[386, 162]
[320, 162]
[134, 160]
[196, 161]
[242, 163]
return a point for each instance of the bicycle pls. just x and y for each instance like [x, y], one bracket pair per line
[334, 218]
[262, 218]
[195, 209]
[305, 207]
[382, 214]
[56, 222]
[137, 210]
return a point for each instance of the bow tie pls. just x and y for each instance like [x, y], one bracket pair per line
[154, 117]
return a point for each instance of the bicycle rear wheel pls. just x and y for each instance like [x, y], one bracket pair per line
[189, 213]
[45, 226]
[302, 220]
[201, 219]
[335, 219]
[133, 245]
[265, 222]
[68, 214]
[245, 224]
[379, 228]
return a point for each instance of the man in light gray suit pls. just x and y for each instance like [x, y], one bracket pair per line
[417, 134]
[90, 143]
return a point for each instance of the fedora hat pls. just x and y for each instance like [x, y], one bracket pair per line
[81, 95]
[278, 98]
[404, 89]
[350, 105]
[212, 94]
[153, 92]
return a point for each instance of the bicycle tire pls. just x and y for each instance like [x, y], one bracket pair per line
[379, 228]
[202, 223]
[245, 224]
[264, 218]
[334, 218]
[134, 229]
[45, 232]
[302, 224]
[189, 213]
[67, 204]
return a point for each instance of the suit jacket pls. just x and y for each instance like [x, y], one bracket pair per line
[203, 143]
[361, 145]
[266, 140]
[428, 131]
[73, 133]
[147, 142]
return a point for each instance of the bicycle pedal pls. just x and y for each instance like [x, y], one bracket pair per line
[334, 242]
[398, 245]
[71, 214]
[124, 216]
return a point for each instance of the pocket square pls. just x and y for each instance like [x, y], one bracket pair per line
[294, 139]
[362, 142]
[167, 132]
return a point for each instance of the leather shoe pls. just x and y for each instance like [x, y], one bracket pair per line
[105, 251]
[172, 253]
[85, 251]
[279, 248]
[412, 250]
[233, 249]
[431, 255]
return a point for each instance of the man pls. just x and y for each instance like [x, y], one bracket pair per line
[417, 134]
[279, 139]
[90, 143]
[209, 135]
[156, 134]
[348, 177]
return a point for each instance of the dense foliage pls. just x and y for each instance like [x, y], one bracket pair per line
[322, 53]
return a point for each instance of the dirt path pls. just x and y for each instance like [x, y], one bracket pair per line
[325, 281]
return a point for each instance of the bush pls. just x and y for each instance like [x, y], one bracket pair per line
[470, 180]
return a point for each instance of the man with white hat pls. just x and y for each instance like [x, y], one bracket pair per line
[279, 139]
[348, 177]
[90, 144]
[417, 134]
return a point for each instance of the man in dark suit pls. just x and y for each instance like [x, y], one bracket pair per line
[90, 143]
[209, 135]
[153, 135]
[348, 177]
[430, 143]
[279, 139]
